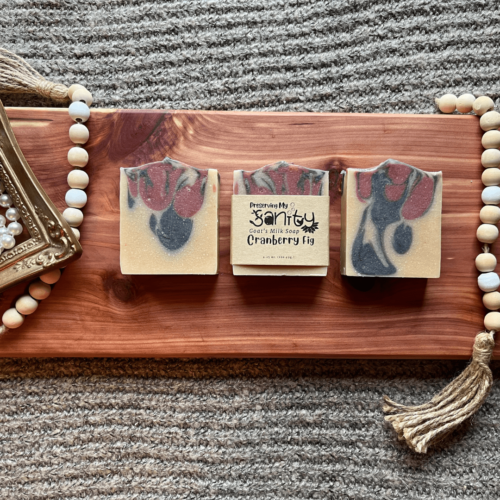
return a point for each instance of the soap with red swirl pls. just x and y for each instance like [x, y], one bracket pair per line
[169, 219]
[391, 222]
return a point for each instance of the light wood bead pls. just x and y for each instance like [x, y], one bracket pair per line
[39, 290]
[490, 214]
[491, 195]
[78, 157]
[490, 158]
[482, 105]
[490, 120]
[491, 300]
[3, 329]
[78, 179]
[82, 95]
[73, 216]
[487, 233]
[77, 233]
[486, 262]
[465, 102]
[79, 111]
[12, 318]
[79, 133]
[51, 277]
[72, 89]
[488, 282]
[491, 177]
[76, 198]
[26, 305]
[492, 321]
[491, 139]
[447, 103]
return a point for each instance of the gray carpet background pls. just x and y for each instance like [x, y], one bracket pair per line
[230, 429]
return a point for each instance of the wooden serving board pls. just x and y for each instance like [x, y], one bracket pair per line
[96, 311]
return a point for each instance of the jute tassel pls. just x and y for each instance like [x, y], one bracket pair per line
[423, 426]
[18, 77]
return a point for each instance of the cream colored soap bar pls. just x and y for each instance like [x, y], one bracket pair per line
[391, 222]
[169, 219]
[285, 179]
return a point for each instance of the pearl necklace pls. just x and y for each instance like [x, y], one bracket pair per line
[76, 199]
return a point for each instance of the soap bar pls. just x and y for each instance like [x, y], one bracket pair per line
[281, 178]
[391, 222]
[169, 219]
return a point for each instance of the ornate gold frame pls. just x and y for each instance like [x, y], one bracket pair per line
[52, 243]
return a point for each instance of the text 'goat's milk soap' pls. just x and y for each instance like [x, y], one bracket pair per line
[391, 222]
[278, 200]
[169, 219]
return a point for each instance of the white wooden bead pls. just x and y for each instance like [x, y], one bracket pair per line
[491, 177]
[76, 198]
[464, 103]
[51, 277]
[79, 111]
[490, 214]
[490, 158]
[487, 233]
[39, 290]
[82, 95]
[79, 133]
[77, 233]
[490, 120]
[447, 103]
[78, 179]
[482, 105]
[73, 216]
[492, 321]
[78, 157]
[491, 139]
[26, 305]
[12, 319]
[491, 301]
[486, 262]
[491, 195]
[488, 282]
[73, 88]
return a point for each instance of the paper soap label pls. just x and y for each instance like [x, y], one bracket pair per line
[280, 230]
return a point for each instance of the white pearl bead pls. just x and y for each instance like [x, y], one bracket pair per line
[77, 233]
[39, 290]
[486, 262]
[73, 216]
[488, 282]
[78, 157]
[82, 95]
[464, 103]
[73, 88]
[79, 133]
[7, 241]
[5, 200]
[12, 214]
[491, 177]
[51, 277]
[487, 233]
[78, 179]
[12, 319]
[2, 220]
[4, 230]
[76, 198]
[492, 321]
[447, 103]
[490, 214]
[490, 158]
[491, 300]
[26, 305]
[15, 229]
[491, 139]
[482, 104]
[491, 195]
[490, 120]
[79, 111]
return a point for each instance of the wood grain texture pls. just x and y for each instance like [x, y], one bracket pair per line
[96, 311]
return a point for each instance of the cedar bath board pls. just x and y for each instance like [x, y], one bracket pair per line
[96, 311]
